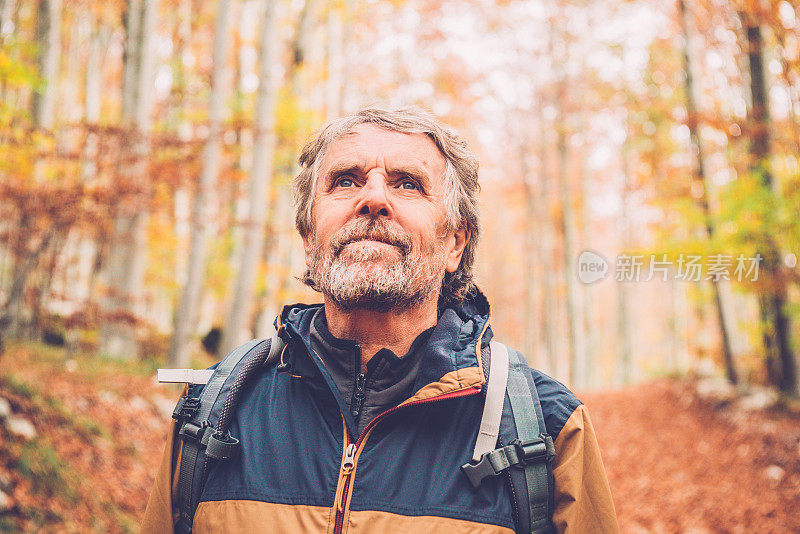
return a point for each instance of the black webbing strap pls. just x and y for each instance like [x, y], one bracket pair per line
[528, 449]
[191, 474]
[533, 443]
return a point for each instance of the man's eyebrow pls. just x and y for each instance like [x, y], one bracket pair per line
[345, 167]
[342, 168]
[410, 170]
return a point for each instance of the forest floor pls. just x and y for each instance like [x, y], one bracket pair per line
[677, 463]
[86, 460]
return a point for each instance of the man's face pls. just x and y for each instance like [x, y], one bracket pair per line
[379, 239]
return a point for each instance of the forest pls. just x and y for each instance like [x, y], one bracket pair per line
[640, 174]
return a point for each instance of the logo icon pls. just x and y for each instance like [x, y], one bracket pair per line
[591, 267]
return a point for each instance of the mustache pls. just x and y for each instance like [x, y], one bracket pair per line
[375, 230]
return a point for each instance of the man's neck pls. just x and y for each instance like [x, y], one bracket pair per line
[373, 331]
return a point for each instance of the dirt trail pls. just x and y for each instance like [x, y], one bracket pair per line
[676, 464]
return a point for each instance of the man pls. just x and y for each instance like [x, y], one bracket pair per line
[377, 401]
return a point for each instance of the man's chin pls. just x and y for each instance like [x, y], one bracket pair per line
[361, 251]
[366, 273]
[374, 299]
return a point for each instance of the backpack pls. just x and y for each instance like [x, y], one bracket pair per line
[522, 450]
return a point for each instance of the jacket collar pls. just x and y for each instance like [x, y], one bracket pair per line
[453, 349]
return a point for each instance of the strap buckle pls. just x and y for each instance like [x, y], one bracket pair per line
[515, 454]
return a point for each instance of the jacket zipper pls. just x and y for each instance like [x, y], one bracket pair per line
[359, 394]
[350, 459]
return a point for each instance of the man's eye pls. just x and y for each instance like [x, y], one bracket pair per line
[345, 182]
[408, 184]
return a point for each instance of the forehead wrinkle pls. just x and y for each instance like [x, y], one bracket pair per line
[346, 153]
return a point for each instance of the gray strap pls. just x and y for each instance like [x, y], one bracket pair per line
[526, 422]
[495, 395]
[189, 478]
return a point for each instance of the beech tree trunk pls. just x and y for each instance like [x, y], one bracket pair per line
[335, 82]
[4, 5]
[48, 35]
[588, 326]
[775, 323]
[699, 177]
[566, 227]
[282, 230]
[624, 333]
[186, 314]
[23, 268]
[236, 328]
[531, 275]
[546, 252]
[125, 267]
[281, 263]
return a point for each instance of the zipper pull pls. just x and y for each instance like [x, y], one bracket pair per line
[349, 458]
[347, 467]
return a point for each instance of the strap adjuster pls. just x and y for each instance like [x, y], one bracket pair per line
[537, 450]
[193, 432]
[186, 408]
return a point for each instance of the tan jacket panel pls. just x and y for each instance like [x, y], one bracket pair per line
[158, 516]
[389, 523]
[583, 502]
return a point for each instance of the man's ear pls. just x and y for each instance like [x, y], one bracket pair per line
[308, 247]
[456, 250]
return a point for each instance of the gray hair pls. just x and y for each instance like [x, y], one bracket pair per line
[460, 181]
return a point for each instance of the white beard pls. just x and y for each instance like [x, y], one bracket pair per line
[376, 276]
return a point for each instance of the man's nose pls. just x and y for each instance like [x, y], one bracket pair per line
[374, 199]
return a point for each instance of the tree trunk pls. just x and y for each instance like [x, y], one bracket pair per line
[46, 277]
[4, 12]
[301, 45]
[260, 179]
[125, 268]
[335, 82]
[186, 315]
[281, 262]
[566, 225]
[24, 268]
[589, 329]
[624, 332]
[530, 276]
[545, 252]
[282, 224]
[48, 35]
[781, 364]
[93, 83]
[699, 177]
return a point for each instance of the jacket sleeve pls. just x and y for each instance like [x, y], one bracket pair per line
[159, 515]
[583, 502]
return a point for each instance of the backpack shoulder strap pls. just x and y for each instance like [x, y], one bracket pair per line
[530, 451]
[493, 407]
[204, 415]
[536, 445]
